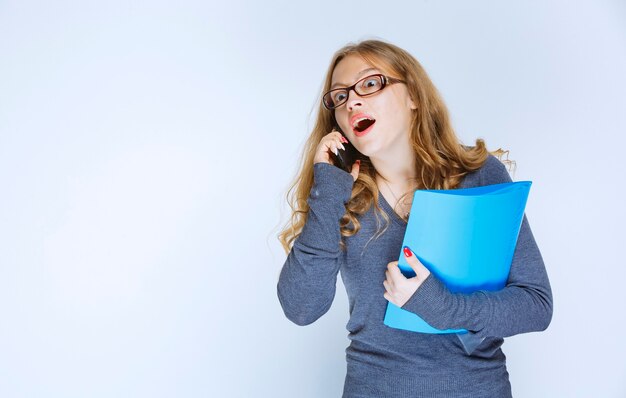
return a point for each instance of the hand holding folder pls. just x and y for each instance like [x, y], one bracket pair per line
[466, 238]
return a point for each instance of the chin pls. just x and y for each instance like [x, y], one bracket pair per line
[367, 150]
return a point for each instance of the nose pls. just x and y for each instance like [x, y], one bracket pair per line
[353, 100]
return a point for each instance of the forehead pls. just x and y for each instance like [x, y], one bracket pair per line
[350, 69]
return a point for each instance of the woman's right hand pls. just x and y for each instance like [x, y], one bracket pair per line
[332, 142]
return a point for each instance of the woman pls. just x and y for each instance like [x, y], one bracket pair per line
[353, 221]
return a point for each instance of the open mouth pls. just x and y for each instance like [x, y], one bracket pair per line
[362, 126]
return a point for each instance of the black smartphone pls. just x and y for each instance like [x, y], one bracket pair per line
[345, 158]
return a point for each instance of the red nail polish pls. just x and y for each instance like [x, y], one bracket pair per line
[407, 252]
[358, 162]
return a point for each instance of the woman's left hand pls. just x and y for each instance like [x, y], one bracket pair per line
[399, 288]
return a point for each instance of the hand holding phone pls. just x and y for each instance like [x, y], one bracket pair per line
[345, 158]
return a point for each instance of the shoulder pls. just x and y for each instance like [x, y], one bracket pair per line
[493, 171]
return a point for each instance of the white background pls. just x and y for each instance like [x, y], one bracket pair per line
[146, 148]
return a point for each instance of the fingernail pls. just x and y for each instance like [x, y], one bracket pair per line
[358, 162]
[344, 139]
[336, 151]
[343, 147]
[407, 251]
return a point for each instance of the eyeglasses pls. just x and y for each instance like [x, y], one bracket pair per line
[367, 86]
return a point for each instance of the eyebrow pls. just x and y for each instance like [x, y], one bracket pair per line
[358, 75]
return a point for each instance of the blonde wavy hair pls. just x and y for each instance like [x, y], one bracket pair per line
[441, 160]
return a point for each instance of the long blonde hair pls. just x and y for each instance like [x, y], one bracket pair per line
[441, 160]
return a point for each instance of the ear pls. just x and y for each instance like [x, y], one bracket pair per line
[411, 104]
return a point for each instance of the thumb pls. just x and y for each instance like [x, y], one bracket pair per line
[355, 169]
[415, 263]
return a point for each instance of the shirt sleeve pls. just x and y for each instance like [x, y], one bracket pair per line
[523, 305]
[307, 281]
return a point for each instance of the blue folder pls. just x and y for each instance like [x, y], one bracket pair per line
[466, 238]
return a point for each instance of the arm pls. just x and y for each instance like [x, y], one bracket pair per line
[523, 305]
[306, 286]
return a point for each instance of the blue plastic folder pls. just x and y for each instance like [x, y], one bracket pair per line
[466, 238]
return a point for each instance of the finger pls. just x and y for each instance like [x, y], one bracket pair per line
[389, 279]
[390, 297]
[334, 134]
[393, 267]
[324, 147]
[336, 137]
[394, 272]
[355, 169]
[387, 286]
[337, 144]
[414, 262]
[330, 144]
[410, 257]
[333, 147]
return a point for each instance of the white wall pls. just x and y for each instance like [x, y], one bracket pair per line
[145, 149]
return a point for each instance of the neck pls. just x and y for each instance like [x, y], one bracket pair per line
[397, 166]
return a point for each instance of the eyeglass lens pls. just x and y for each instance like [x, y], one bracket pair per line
[365, 86]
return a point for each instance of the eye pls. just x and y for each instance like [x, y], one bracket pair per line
[339, 96]
[371, 83]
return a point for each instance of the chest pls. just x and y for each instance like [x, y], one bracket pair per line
[369, 252]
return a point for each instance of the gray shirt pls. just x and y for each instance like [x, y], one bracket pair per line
[387, 362]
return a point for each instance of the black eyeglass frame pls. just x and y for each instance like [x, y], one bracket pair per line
[385, 81]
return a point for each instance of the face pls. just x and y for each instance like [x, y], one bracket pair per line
[390, 108]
